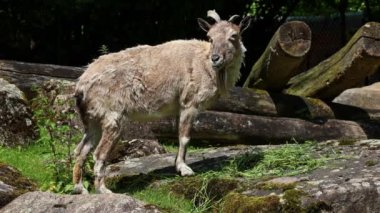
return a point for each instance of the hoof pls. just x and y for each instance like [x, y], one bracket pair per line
[103, 190]
[185, 170]
[79, 189]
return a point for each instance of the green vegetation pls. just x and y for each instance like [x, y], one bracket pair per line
[57, 131]
[31, 161]
[371, 162]
[235, 202]
[289, 159]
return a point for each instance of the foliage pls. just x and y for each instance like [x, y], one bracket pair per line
[104, 49]
[30, 161]
[289, 159]
[58, 132]
[165, 199]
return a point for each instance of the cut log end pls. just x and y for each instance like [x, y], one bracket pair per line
[295, 38]
[372, 30]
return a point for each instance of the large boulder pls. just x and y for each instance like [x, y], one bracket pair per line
[367, 97]
[45, 202]
[12, 184]
[16, 125]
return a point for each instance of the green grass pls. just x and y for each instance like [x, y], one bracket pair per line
[286, 160]
[164, 199]
[31, 162]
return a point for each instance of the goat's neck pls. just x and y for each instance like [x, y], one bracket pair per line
[228, 76]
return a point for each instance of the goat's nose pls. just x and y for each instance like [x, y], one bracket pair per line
[215, 58]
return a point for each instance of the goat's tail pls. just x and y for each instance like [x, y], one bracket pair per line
[80, 103]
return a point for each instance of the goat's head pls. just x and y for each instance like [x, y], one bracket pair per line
[225, 38]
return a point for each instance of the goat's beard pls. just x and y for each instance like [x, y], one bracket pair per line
[222, 81]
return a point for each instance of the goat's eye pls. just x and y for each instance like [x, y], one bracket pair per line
[234, 37]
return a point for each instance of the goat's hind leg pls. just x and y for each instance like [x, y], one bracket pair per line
[81, 152]
[110, 135]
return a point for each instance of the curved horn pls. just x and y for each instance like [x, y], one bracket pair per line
[233, 18]
[214, 15]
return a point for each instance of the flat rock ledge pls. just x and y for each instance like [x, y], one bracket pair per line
[45, 202]
[164, 163]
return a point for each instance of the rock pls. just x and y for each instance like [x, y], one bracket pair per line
[16, 124]
[12, 184]
[44, 202]
[367, 97]
[206, 160]
[348, 184]
[135, 148]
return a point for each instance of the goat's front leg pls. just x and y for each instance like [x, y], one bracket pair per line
[186, 119]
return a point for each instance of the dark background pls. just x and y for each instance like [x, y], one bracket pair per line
[74, 32]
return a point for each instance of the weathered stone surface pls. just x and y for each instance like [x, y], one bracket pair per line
[209, 159]
[367, 97]
[16, 125]
[348, 184]
[136, 148]
[44, 202]
[12, 184]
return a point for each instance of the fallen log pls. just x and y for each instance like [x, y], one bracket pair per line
[26, 75]
[252, 129]
[282, 58]
[260, 102]
[347, 68]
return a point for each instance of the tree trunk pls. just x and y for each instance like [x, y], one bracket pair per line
[289, 45]
[260, 102]
[345, 69]
[252, 129]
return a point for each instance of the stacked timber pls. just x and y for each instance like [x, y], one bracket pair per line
[347, 68]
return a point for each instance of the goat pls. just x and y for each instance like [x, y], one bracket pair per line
[180, 77]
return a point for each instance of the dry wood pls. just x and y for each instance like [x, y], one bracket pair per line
[26, 75]
[282, 58]
[252, 129]
[347, 68]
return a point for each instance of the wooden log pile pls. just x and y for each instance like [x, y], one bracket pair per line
[302, 111]
[347, 68]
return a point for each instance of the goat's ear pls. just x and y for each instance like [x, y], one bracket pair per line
[244, 24]
[204, 25]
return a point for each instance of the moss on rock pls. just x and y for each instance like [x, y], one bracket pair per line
[275, 186]
[214, 188]
[19, 184]
[239, 203]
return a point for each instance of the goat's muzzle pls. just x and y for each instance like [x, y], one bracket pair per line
[217, 61]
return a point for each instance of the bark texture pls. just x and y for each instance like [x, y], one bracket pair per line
[282, 58]
[345, 69]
